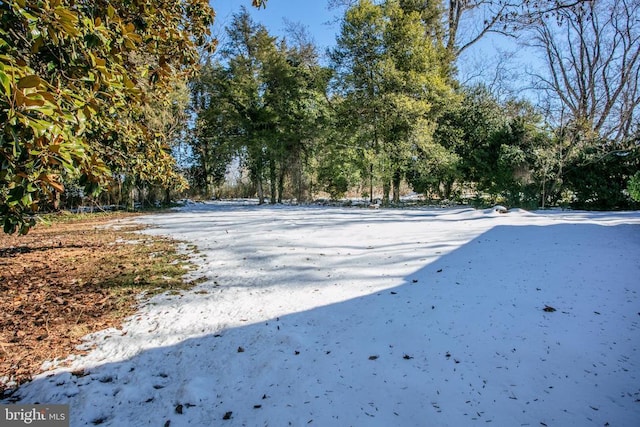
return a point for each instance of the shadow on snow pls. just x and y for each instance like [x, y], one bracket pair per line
[463, 340]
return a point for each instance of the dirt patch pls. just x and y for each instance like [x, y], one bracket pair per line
[78, 275]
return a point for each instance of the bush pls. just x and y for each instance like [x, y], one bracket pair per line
[633, 186]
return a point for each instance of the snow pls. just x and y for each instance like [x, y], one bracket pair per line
[358, 317]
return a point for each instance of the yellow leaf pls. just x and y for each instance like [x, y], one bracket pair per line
[66, 15]
[134, 37]
[128, 83]
[70, 28]
[53, 36]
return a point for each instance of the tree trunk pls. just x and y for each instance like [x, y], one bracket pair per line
[259, 190]
[298, 174]
[397, 179]
[56, 200]
[205, 171]
[280, 185]
[118, 200]
[272, 181]
[448, 187]
[371, 183]
[132, 195]
[386, 191]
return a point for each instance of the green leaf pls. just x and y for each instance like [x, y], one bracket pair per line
[26, 200]
[6, 83]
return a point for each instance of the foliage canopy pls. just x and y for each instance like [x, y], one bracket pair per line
[75, 76]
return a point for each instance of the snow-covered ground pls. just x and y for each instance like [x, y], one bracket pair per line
[357, 317]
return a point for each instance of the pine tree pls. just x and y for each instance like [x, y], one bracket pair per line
[395, 82]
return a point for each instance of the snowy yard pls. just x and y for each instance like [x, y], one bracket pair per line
[355, 317]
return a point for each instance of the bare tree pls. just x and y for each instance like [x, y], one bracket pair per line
[592, 56]
[465, 22]
[500, 72]
[468, 21]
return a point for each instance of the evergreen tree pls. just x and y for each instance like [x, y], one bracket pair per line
[394, 82]
[264, 106]
[212, 143]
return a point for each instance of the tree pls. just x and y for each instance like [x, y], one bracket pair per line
[212, 142]
[249, 45]
[296, 88]
[590, 87]
[72, 96]
[265, 106]
[592, 53]
[463, 23]
[498, 149]
[340, 159]
[515, 177]
[394, 81]
[418, 86]
[602, 182]
[467, 129]
[356, 62]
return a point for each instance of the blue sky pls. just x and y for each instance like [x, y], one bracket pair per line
[314, 15]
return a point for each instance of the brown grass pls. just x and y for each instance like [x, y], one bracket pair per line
[77, 275]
